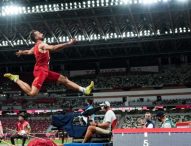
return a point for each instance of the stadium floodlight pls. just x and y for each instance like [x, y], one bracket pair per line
[50, 7]
[145, 33]
[33, 9]
[48, 40]
[180, 30]
[107, 2]
[79, 37]
[95, 36]
[97, 3]
[127, 1]
[84, 4]
[61, 7]
[176, 31]
[140, 33]
[165, 1]
[14, 43]
[14, 9]
[89, 4]
[148, 2]
[107, 36]
[148, 32]
[115, 35]
[65, 38]
[83, 38]
[66, 6]
[184, 29]
[102, 3]
[75, 5]
[79, 5]
[170, 31]
[37, 8]
[28, 10]
[71, 6]
[135, 1]
[24, 11]
[182, 1]
[93, 3]
[91, 37]
[52, 40]
[132, 34]
[4, 43]
[60, 39]
[158, 32]
[123, 35]
[11, 10]
[128, 34]
[41, 8]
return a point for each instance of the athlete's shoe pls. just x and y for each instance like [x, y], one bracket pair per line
[89, 88]
[11, 77]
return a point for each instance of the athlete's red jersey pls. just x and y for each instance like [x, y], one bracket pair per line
[42, 59]
[41, 70]
[22, 125]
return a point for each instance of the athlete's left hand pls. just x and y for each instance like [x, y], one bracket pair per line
[72, 41]
[18, 53]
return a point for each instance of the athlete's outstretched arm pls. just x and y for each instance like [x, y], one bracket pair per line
[25, 52]
[58, 47]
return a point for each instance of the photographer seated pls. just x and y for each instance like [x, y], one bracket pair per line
[23, 129]
[101, 128]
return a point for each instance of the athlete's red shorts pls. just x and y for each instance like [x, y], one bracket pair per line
[43, 74]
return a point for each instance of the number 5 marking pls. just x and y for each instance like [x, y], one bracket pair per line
[145, 143]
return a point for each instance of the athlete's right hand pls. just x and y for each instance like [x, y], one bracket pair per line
[19, 53]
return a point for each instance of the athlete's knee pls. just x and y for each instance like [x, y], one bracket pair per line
[33, 93]
[91, 128]
[63, 79]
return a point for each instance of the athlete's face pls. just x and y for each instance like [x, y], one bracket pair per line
[20, 118]
[39, 35]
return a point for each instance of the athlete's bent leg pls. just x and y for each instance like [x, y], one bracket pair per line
[31, 91]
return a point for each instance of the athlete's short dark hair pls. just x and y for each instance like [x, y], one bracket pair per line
[32, 35]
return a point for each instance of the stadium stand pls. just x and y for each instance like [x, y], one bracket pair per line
[168, 76]
[38, 124]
